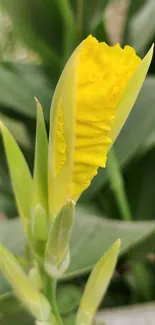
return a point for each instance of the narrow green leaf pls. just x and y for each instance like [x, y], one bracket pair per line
[57, 256]
[41, 162]
[97, 285]
[20, 174]
[69, 27]
[68, 298]
[117, 185]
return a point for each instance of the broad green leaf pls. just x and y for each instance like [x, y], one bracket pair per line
[142, 26]
[7, 202]
[91, 238]
[41, 162]
[132, 138]
[97, 285]
[12, 312]
[43, 35]
[70, 319]
[68, 298]
[17, 129]
[133, 8]
[20, 83]
[12, 235]
[20, 175]
[93, 235]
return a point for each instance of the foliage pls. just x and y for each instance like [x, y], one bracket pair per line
[51, 30]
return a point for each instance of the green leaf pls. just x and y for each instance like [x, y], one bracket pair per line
[70, 319]
[88, 15]
[97, 285]
[20, 174]
[12, 312]
[142, 27]
[133, 7]
[41, 162]
[69, 27]
[140, 186]
[40, 27]
[131, 138]
[12, 235]
[17, 129]
[20, 83]
[68, 298]
[91, 238]
[100, 32]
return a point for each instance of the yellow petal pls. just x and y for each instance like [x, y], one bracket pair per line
[84, 109]
[129, 97]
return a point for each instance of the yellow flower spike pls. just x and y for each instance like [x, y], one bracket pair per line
[93, 98]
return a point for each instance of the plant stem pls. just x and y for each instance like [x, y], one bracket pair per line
[53, 283]
[50, 293]
[117, 184]
[79, 18]
[69, 27]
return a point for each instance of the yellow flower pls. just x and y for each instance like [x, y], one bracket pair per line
[92, 100]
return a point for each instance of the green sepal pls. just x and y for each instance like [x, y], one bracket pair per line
[41, 161]
[39, 226]
[57, 255]
[38, 231]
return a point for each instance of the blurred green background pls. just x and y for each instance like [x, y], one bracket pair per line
[36, 39]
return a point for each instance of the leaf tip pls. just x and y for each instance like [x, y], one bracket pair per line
[36, 100]
[118, 242]
[38, 105]
[1, 125]
[117, 245]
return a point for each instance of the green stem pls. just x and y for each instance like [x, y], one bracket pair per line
[69, 27]
[50, 293]
[79, 18]
[117, 184]
[53, 283]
